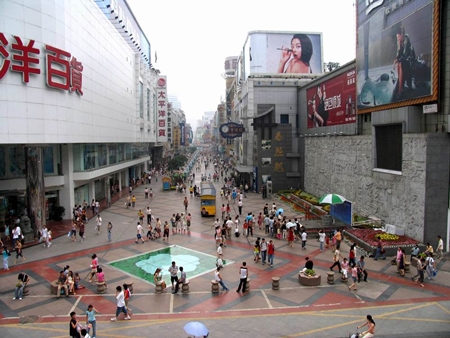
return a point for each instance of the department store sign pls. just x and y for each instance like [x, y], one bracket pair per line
[63, 70]
[164, 127]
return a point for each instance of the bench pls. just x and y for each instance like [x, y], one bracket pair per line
[275, 283]
[158, 288]
[185, 287]
[247, 285]
[214, 286]
[101, 287]
[407, 266]
[330, 277]
[54, 288]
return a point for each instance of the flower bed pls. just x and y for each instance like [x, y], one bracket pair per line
[367, 239]
[370, 237]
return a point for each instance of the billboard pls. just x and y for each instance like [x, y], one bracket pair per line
[397, 53]
[162, 110]
[332, 102]
[283, 52]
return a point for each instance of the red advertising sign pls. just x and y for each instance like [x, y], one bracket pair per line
[332, 102]
[63, 72]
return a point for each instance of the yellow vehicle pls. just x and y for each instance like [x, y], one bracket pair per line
[207, 199]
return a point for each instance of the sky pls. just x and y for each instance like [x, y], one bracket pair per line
[193, 38]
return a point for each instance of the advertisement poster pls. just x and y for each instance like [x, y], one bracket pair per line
[182, 134]
[283, 53]
[394, 55]
[162, 109]
[332, 102]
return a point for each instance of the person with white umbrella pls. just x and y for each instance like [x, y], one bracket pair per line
[196, 329]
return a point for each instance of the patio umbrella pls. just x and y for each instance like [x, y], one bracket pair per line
[332, 199]
[196, 329]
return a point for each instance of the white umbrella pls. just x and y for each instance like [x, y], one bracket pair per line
[290, 225]
[196, 329]
[332, 199]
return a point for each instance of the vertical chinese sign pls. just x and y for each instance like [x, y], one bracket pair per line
[162, 109]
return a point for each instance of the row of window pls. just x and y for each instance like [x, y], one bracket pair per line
[13, 161]
[85, 157]
[92, 156]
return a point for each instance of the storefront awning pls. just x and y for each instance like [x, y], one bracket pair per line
[244, 168]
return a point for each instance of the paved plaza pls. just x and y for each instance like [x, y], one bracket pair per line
[399, 307]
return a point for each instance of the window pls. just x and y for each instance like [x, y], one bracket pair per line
[141, 100]
[389, 147]
[148, 104]
[112, 148]
[48, 160]
[284, 118]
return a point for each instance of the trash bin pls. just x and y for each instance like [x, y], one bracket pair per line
[166, 186]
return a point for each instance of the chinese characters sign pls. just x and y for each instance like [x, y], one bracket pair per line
[63, 70]
[332, 102]
[164, 131]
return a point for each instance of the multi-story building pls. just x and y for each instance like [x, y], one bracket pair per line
[77, 104]
[374, 130]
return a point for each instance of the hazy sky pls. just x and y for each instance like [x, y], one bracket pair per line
[193, 38]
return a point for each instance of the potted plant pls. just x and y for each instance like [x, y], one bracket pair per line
[310, 272]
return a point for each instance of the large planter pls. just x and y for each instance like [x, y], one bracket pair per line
[391, 250]
[307, 280]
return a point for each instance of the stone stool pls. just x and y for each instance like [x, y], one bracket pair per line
[214, 286]
[158, 288]
[275, 283]
[330, 277]
[26, 290]
[247, 285]
[185, 287]
[343, 279]
[407, 266]
[101, 288]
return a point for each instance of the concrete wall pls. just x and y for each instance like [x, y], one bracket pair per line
[343, 165]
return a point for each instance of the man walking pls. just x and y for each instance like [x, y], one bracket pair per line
[270, 252]
[240, 205]
[440, 247]
[243, 272]
[219, 279]
[120, 299]
[263, 250]
[173, 269]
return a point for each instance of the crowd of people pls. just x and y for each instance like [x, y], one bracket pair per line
[267, 226]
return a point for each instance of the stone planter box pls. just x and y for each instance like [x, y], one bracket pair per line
[306, 280]
[391, 250]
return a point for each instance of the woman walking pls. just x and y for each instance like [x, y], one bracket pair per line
[19, 252]
[354, 277]
[99, 224]
[90, 320]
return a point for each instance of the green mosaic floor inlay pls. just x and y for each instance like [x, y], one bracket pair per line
[143, 266]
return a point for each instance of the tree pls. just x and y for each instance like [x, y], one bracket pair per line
[177, 162]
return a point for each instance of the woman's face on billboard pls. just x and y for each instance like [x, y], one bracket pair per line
[296, 47]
